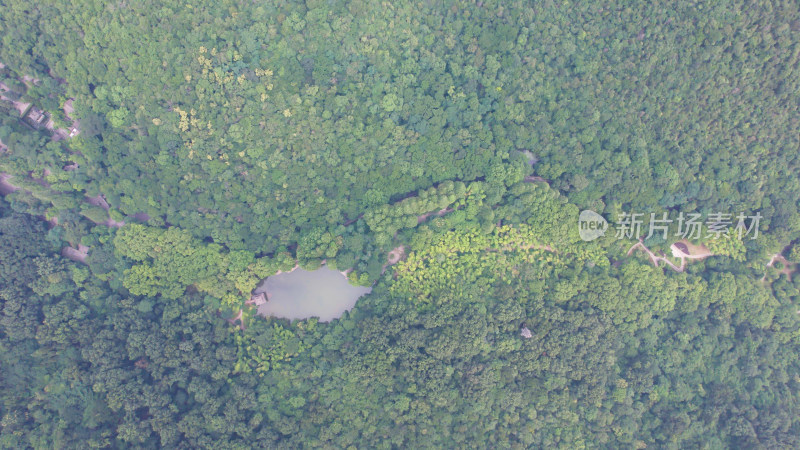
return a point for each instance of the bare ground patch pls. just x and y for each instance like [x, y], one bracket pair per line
[76, 254]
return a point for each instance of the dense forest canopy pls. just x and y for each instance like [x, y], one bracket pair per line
[159, 159]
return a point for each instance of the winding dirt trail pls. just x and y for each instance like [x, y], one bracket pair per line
[439, 213]
[788, 267]
[19, 106]
[76, 254]
[100, 201]
[394, 257]
[535, 179]
[655, 259]
[239, 318]
[5, 186]
[681, 249]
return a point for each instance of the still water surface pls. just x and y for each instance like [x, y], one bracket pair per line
[301, 294]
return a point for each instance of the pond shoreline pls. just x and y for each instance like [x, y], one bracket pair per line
[300, 294]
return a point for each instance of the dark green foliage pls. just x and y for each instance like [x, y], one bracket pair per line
[235, 139]
[263, 124]
[619, 356]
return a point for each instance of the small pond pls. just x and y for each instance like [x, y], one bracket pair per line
[300, 294]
